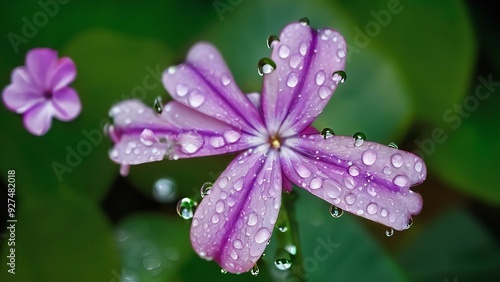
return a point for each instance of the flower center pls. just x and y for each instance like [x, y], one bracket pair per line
[47, 94]
[275, 142]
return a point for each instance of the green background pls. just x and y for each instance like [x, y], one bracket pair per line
[414, 70]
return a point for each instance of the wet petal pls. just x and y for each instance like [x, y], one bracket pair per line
[39, 62]
[300, 87]
[63, 73]
[370, 180]
[233, 224]
[38, 118]
[204, 83]
[201, 135]
[140, 134]
[66, 103]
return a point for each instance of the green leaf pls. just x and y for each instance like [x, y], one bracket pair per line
[455, 246]
[60, 239]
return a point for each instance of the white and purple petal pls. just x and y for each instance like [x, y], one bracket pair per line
[296, 92]
[40, 63]
[38, 119]
[62, 74]
[369, 180]
[66, 103]
[22, 93]
[205, 84]
[233, 224]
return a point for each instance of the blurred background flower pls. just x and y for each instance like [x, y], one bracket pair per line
[423, 74]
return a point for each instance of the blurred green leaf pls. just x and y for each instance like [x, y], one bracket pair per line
[454, 245]
[430, 41]
[61, 239]
[467, 155]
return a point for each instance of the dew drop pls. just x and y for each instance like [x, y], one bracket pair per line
[327, 133]
[409, 224]
[282, 228]
[354, 170]
[320, 78]
[369, 157]
[339, 76]
[393, 145]
[223, 271]
[350, 198]
[372, 208]
[336, 212]
[324, 92]
[284, 51]
[316, 183]
[206, 188]
[262, 235]
[397, 160]
[151, 262]
[186, 207]
[418, 166]
[272, 40]
[181, 90]
[341, 53]
[196, 99]
[389, 232]
[255, 270]
[231, 136]
[252, 219]
[400, 180]
[238, 244]
[164, 190]
[303, 171]
[216, 141]
[359, 138]
[225, 80]
[158, 105]
[147, 137]
[384, 213]
[283, 264]
[292, 80]
[304, 21]
[265, 66]
[292, 249]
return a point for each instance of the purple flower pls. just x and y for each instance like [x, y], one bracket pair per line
[40, 90]
[210, 115]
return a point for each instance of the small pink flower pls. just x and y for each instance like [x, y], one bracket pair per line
[277, 146]
[40, 90]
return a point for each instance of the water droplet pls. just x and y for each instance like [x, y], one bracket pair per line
[225, 80]
[151, 262]
[339, 76]
[304, 21]
[389, 232]
[147, 137]
[181, 90]
[238, 244]
[303, 171]
[255, 270]
[303, 49]
[410, 223]
[262, 235]
[283, 264]
[186, 207]
[190, 142]
[372, 208]
[206, 189]
[265, 66]
[320, 78]
[400, 180]
[231, 136]
[196, 99]
[393, 145]
[284, 51]
[384, 213]
[418, 166]
[336, 212]
[292, 80]
[164, 190]
[216, 141]
[341, 53]
[158, 105]
[397, 160]
[359, 138]
[324, 92]
[172, 70]
[369, 157]
[252, 219]
[316, 183]
[223, 271]
[292, 249]
[354, 170]
[272, 40]
[215, 218]
[282, 228]
[350, 198]
[327, 133]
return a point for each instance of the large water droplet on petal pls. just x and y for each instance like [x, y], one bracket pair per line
[400, 180]
[164, 190]
[369, 157]
[225, 80]
[339, 76]
[327, 133]
[354, 170]
[372, 208]
[196, 99]
[320, 78]
[231, 136]
[284, 51]
[262, 235]
[397, 160]
[304, 21]
[272, 40]
[292, 80]
[158, 105]
[265, 66]
[186, 208]
[359, 138]
[341, 53]
[181, 90]
[206, 188]
[336, 212]
[190, 142]
[147, 137]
